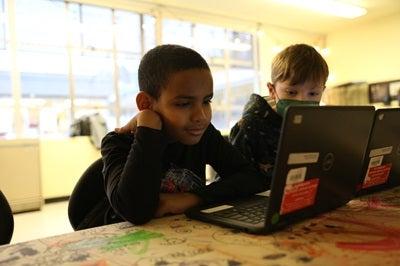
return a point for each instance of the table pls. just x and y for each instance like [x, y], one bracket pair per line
[364, 232]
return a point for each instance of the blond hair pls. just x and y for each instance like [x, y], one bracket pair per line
[299, 63]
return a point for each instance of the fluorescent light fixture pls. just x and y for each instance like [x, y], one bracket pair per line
[331, 7]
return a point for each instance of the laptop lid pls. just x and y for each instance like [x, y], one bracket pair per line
[320, 159]
[381, 168]
[318, 165]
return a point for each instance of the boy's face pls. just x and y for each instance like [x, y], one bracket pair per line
[307, 91]
[185, 105]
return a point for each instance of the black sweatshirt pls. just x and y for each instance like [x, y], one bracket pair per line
[257, 134]
[137, 168]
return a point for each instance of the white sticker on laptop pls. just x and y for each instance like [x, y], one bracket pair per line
[381, 151]
[266, 193]
[297, 119]
[218, 208]
[304, 157]
[296, 175]
[375, 161]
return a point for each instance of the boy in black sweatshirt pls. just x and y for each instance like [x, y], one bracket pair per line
[155, 165]
[298, 77]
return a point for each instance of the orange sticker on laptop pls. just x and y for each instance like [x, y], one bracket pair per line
[298, 196]
[377, 175]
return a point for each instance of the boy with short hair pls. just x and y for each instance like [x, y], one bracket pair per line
[298, 77]
[160, 169]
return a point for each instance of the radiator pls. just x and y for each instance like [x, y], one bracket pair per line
[20, 174]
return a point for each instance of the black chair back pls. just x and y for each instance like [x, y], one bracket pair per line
[88, 192]
[6, 221]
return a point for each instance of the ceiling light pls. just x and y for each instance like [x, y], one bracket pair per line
[331, 7]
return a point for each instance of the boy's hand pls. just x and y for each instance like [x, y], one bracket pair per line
[149, 118]
[176, 203]
[130, 127]
[146, 118]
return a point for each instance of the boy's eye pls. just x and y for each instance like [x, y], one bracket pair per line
[291, 93]
[207, 101]
[313, 94]
[182, 104]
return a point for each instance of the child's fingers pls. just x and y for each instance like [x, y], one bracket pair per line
[123, 130]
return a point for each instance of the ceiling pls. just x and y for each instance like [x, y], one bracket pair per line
[272, 12]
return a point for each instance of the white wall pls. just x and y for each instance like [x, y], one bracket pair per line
[273, 40]
[368, 52]
[62, 162]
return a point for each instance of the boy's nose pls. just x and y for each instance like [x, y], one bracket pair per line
[303, 96]
[198, 114]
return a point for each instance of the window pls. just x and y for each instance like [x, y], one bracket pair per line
[75, 59]
[2, 26]
[92, 62]
[42, 60]
[6, 104]
[130, 49]
[230, 56]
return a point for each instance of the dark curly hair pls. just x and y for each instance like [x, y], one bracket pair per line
[159, 63]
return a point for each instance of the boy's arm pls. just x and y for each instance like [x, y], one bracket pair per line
[238, 137]
[132, 172]
[238, 177]
[176, 203]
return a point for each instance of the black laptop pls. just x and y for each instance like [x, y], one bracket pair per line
[318, 165]
[382, 160]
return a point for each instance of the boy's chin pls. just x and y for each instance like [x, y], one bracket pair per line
[190, 141]
[185, 141]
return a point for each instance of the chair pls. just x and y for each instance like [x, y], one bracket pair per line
[6, 221]
[86, 196]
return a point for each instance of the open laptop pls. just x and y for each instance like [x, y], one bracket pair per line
[381, 168]
[318, 165]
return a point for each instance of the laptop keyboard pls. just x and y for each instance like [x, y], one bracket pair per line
[252, 213]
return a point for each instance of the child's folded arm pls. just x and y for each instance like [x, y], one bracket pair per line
[241, 184]
[238, 177]
[132, 173]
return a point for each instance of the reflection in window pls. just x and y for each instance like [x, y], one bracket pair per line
[149, 32]
[77, 59]
[177, 32]
[6, 104]
[42, 61]
[127, 32]
[72, 59]
[2, 26]
[230, 56]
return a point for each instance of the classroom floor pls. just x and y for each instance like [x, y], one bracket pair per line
[51, 220]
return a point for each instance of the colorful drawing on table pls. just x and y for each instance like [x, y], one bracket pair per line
[132, 238]
[190, 255]
[200, 262]
[172, 241]
[350, 232]
[386, 206]
[40, 254]
[386, 200]
[235, 237]
[389, 237]
[96, 263]
[55, 251]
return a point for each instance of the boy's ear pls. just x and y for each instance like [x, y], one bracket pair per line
[144, 101]
[271, 90]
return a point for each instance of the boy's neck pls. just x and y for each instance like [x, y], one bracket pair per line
[271, 102]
